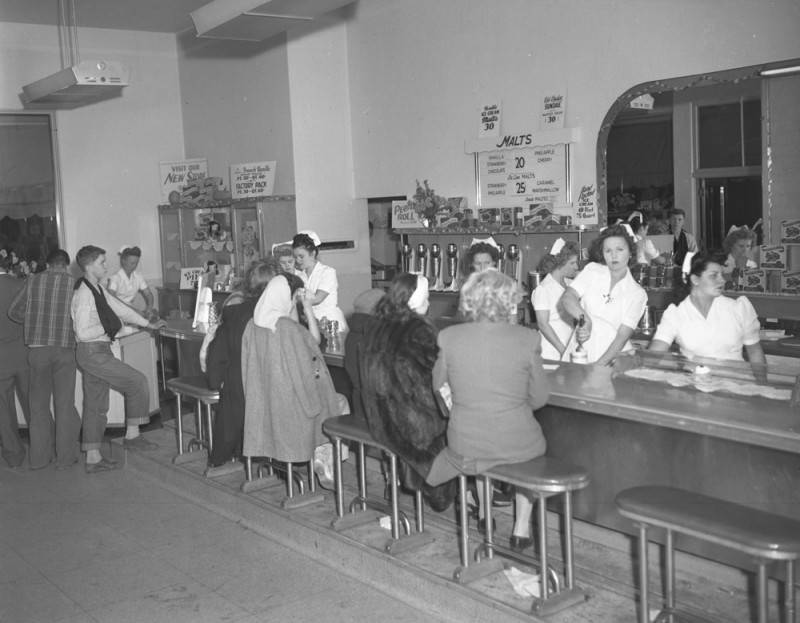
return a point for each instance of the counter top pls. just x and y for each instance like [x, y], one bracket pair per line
[181, 329]
[755, 420]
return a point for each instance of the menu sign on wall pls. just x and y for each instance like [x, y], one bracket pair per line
[524, 175]
[253, 179]
[490, 121]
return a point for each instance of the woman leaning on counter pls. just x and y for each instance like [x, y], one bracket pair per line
[607, 296]
[706, 324]
[321, 283]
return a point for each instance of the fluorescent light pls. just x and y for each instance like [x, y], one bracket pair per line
[781, 71]
[256, 20]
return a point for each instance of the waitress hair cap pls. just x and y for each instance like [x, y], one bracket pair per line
[490, 241]
[313, 235]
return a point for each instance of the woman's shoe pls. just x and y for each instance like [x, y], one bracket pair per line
[519, 543]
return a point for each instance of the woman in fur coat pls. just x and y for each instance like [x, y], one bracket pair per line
[396, 365]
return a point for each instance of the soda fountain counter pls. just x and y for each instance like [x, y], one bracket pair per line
[654, 421]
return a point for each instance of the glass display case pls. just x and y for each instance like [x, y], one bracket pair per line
[231, 235]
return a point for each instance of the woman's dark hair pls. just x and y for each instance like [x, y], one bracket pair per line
[636, 223]
[258, 275]
[304, 241]
[295, 283]
[699, 264]
[481, 247]
[549, 263]
[614, 231]
[394, 304]
[136, 251]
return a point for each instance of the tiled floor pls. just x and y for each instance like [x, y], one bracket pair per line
[112, 548]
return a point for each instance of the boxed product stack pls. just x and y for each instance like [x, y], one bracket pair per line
[790, 237]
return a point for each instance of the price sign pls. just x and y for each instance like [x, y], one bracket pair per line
[489, 121]
[253, 179]
[533, 175]
[552, 111]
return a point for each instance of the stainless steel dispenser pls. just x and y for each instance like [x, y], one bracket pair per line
[421, 266]
[406, 256]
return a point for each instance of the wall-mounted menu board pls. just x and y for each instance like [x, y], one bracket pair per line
[523, 177]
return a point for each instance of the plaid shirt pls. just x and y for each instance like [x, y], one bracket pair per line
[43, 305]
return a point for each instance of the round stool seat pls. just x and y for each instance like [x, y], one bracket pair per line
[544, 474]
[194, 387]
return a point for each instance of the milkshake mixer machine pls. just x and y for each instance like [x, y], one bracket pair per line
[513, 267]
[451, 279]
[501, 258]
[407, 258]
[421, 262]
[436, 268]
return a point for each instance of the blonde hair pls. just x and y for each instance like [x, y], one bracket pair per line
[489, 295]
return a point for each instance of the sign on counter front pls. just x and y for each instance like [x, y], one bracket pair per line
[253, 179]
[521, 175]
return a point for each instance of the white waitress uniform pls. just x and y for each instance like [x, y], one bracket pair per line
[126, 287]
[545, 298]
[730, 325]
[607, 308]
[324, 278]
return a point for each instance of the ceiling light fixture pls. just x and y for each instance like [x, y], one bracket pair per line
[781, 71]
[79, 82]
[257, 20]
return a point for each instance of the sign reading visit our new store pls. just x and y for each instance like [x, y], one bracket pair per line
[253, 179]
[177, 174]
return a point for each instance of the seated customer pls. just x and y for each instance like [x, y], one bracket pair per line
[224, 364]
[396, 367]
[494, 371]
[287, 387]
[360, 322]
[706, 324]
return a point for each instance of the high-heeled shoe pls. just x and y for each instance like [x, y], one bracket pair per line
[519, 543]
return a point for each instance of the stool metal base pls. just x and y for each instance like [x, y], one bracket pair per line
[302, 500]
[231, 467]
[189, 456]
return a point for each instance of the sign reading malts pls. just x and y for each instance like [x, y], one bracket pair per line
[519, 173]
[253, 179]
[490, 121]
[179, 173]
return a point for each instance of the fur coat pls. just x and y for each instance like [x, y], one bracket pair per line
[396, 362]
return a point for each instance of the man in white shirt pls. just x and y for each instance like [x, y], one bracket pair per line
[96, 319]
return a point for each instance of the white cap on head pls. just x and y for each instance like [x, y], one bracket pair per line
[490, 241]
[417, 300]
[557, 246]
[313, 235]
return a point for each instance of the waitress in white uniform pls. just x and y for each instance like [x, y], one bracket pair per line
[320, 280]
[559, 266]
[706, 324]
[607, 296]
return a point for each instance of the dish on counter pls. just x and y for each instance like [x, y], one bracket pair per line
[771, 335]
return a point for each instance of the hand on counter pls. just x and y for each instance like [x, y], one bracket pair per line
[155, 325]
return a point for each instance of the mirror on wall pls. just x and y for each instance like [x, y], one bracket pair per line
[29, 207]
[722, 146]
